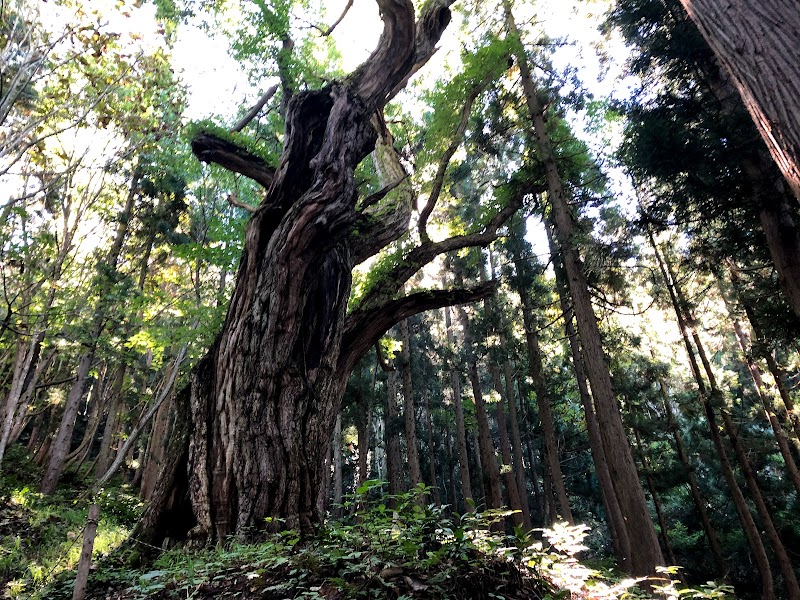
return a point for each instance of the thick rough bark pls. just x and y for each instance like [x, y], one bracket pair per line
[783, 239]
[263, 401]
[753, 42]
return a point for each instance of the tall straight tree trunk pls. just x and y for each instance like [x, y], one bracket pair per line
[536, 372]
[717, 397]
[785, 563]
[394, 461]
[61, 444]
[516, 445]
[645, 552]
[531, 450]
[112, 420]
[694, 488]
[156, 454]
[461, 433]
[788, 414]
[488, 458]
[74, 459]
[651, 485]
[616, 522]
[753, 43]
[767, 402]
[514, 499]
[792, 414]
[337, 465]
[745, 518]
[364, 431]
[437, 499]
[409, 414]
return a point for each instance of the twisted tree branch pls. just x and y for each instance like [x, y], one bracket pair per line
[364, 328]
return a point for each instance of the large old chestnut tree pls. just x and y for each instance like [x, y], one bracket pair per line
[253, 427]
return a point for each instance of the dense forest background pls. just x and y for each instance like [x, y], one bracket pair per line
[581, 308]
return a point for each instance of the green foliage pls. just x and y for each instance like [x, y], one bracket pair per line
[385, 546]
[40, 536]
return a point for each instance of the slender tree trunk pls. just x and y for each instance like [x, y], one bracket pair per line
[616, 522]
[697, 497]
[337, 465]
[96, 398]
[63, 439]
[392, 440]
[745, 518]
[409, 414]
[27, 396]
[510, 479]
[112, 421]
[488, 458]
[461, 433]
[789, 415]
[453, 499]
[25, 363]
[536, 372]
[767, 402]
[156, 454]
[364, 431]
[792, 415]
[527, 426]
[132, 438]
[750, 41]
[516, 446]
[61, 444]
[549, 508]
[85, 562]
[437, 499]
[645, 552]
[651, 485]
[717, 397]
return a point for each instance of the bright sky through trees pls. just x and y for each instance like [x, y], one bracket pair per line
[218, 86]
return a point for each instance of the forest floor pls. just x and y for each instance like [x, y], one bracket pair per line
[381, 547]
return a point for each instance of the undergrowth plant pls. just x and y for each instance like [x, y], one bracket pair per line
[385, 546]
[40, 535]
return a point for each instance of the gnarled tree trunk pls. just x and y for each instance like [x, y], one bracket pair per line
[254, 427]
